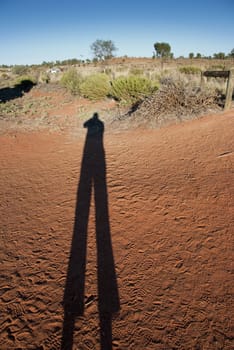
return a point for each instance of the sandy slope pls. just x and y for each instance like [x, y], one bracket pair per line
[158, 264]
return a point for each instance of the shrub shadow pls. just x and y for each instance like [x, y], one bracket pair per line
[11, 93]
[92, 178]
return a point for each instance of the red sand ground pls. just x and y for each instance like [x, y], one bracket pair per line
[168, 212]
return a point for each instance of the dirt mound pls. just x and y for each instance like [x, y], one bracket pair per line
[50, 106]
[118, 243]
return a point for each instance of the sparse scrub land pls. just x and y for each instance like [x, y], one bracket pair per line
[20, 69]
[218, 67]
[175, 100]
[128, 85]
[126, 89]
[136, 71]
[190, 70]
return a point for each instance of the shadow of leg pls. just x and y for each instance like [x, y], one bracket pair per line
[93, 175]
[73, 301]
[68, 329]
[105, 331]
[108, 297]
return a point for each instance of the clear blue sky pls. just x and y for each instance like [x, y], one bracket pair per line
[33, 31]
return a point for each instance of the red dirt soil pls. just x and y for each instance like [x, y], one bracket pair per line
[166, 206]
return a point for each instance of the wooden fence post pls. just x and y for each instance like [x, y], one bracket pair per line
[228, 74]
[229, 91]
[202, 81]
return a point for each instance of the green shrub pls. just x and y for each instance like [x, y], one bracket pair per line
[95, 86]
[25, 79]
[20, 69]
[217, 67]
[45, 78]
[107, 71]
[190, 70]
[132, 89]
[136, 71]
[71, 80]
[5, 76]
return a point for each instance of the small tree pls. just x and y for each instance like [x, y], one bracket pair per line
[219, 55]
[231, 54]
[191, 55]
[103, 49]
[162, 49]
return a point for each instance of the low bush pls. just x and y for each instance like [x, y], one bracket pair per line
[72, 81]
[217, 67]
[25, 80]
[5, 76]
[136, 71]
[190, 70]
[107, 71]
[45, 78]
[132, 89]
[20, 69]
[95, 86]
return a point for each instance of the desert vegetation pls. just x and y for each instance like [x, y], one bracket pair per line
[72, 80]
[172, 87]
[95, 86]
[174, 101]
[131, 81]
[132, 89]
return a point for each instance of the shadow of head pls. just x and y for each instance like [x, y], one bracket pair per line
[25, 85]
[94, 125]
[11, 93]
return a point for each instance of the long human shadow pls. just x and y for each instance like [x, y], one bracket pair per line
[92, 178]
